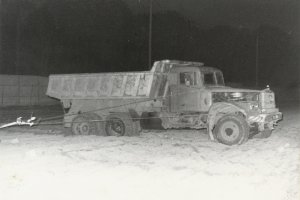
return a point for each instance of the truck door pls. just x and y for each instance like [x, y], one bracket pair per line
[185, 94]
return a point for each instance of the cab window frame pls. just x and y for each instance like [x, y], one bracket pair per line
[188, 78]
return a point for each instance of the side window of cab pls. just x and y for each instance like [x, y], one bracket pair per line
[187, 78]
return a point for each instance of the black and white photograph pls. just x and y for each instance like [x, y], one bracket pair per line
[149, 99]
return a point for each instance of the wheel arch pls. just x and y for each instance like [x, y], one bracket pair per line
[218, 110]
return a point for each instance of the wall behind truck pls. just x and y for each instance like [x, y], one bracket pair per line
[21, 90]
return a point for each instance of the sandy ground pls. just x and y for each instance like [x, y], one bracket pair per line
[41, 163]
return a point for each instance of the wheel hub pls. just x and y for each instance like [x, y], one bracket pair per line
[230, 130]
[84, 128]
[116, 127]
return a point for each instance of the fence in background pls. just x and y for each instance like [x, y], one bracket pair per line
[21, 90]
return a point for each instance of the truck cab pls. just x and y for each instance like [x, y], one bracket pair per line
[189, 91]
[198, 98]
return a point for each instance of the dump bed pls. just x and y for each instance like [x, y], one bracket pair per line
[107, 85]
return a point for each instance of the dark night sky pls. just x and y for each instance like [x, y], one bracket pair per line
[284, 14]
[60, 36]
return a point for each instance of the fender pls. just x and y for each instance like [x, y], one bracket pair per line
[217, 110]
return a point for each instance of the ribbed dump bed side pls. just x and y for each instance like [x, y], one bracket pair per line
[106, 85]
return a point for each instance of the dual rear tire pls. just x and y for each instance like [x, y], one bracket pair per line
[87, 124]
[115, 124]
[121, 124]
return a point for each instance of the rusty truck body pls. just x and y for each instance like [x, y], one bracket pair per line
[182, 94]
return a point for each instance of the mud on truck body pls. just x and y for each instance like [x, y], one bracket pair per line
[181, 94]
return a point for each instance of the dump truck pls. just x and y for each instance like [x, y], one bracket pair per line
[181, 94]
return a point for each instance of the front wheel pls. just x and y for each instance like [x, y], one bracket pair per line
[231, 129]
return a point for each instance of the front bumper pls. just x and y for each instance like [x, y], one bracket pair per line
[265, 120]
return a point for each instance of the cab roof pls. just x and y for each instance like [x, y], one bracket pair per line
[165, 66]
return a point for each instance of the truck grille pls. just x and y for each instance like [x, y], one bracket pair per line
[267, 99]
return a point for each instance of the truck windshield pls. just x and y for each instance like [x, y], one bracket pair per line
[213, 78]
[209, 79]
[220, 79]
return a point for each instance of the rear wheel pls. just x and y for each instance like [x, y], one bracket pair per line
[121, 124]
[83, 124]
[232, 129]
